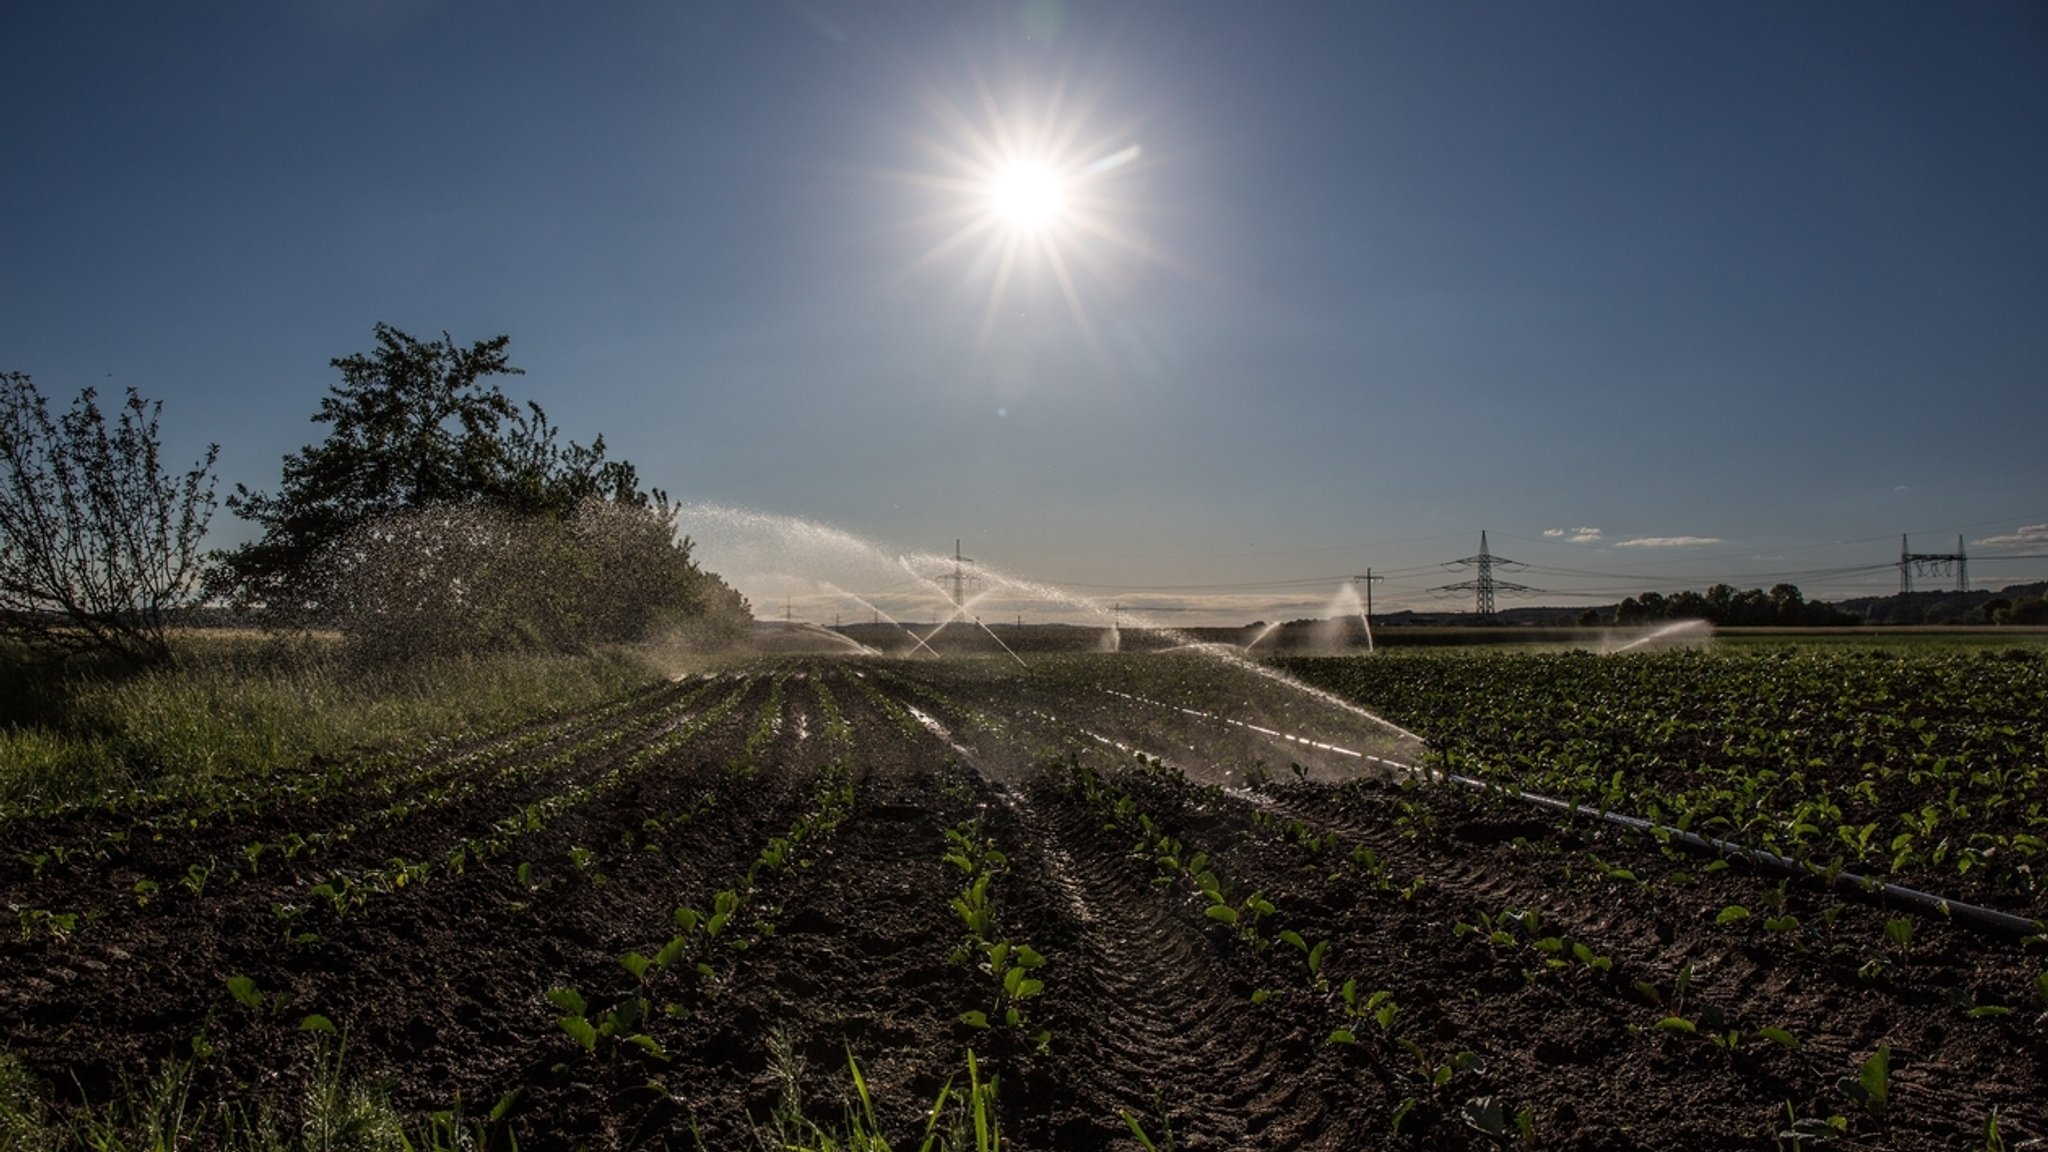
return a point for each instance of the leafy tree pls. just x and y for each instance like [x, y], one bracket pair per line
[411, 424]
[2026, 610]
[439, 515]
[98, 545]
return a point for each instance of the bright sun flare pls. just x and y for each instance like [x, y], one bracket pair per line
[1027, 195]
[1031, 200]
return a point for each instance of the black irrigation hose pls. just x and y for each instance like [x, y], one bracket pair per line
[1974, 915]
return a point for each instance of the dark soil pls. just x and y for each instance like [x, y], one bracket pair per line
[1158, 1014]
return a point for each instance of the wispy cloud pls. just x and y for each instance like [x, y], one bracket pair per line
[1668, 542]
[1574, 535]
[2026, 535]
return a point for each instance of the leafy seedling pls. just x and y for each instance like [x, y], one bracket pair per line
[1870, 1088]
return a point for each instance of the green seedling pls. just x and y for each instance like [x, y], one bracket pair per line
[1779, 1037]
[58, 925]
[195, 878]
[1799, 1130]
[1488, 1115]
[1312, 954]
[245, 992]
[1166, 1141]
[1591, 959]
[1436, 1074]
[1611, 872]
[1870, 1088]
[341, 893]
[1402, 1110]
[619, 1022]
[973, 906]
[1380, 1007]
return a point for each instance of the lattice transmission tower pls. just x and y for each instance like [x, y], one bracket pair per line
[1933, 564]
[1484, 583]
[958, 576]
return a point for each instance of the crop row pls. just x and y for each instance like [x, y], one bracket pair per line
[1928, 768]
[345, 891]
[515, 756]
[706, 942]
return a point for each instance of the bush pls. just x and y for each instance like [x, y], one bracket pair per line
[478, 579]
[98, 545]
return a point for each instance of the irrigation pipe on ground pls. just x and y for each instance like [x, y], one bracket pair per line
[1976, 915]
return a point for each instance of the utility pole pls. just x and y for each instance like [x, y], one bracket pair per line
[1369, 578]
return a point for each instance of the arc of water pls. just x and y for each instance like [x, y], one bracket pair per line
[964, 608]
[1263, 633]
[917, 640]
[999, 642]
[1672, 628]
[1060, 595]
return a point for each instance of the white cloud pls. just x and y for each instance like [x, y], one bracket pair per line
[1574, 535]
[1668, 542]
[2025, 535]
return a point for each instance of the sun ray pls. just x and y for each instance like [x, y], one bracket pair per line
[1073, 299]
[995, 298]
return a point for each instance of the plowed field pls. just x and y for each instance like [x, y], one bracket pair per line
[671, 920]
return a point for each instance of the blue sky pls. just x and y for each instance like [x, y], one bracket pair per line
[1751, 289]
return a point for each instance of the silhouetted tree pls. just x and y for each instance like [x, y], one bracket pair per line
[1784, 606]
[435, 498]
[97, 543]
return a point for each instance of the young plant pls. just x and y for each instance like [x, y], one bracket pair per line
[1870, 1088]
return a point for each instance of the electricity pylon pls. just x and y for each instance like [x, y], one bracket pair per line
[1484, 585]
[1933, 564]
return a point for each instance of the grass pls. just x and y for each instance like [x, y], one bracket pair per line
[240, 707]
[335, 1113]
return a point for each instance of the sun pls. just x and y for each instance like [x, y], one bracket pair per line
[1027, 195]
[1025, 192]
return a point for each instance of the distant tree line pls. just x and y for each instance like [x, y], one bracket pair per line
[435, 516]
[1783, 606]
[2014, 604]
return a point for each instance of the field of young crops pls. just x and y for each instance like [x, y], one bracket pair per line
[1114, 901]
